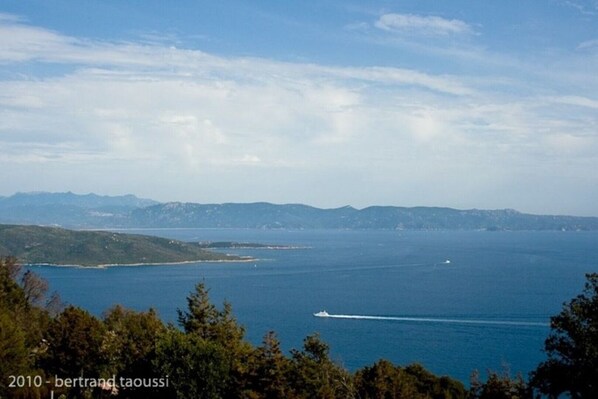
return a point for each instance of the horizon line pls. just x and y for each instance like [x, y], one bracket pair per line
[3, 197]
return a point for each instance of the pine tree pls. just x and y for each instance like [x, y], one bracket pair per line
[572, 348]
[314, 375]
[197, 368]
[201, 315]
[270, 367]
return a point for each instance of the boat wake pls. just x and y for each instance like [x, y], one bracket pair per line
[435, 320]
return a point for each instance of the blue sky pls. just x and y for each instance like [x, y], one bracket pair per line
[466, 104]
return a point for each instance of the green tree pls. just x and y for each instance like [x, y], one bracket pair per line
[269, 370]
[434, 386]
[130, 347]
[498, 386]
[314, 375]
[572, 348]
[13, 352]
[21, 329]
[203, 320]
[197, 368]
[384, 380]
[12, 297]
[74, 347]
[75, 344]
[201, 315]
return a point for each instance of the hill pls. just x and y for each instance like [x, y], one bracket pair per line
[86, 201]
[297, 216]
[94, 211]
[51, 245]
[69, 209]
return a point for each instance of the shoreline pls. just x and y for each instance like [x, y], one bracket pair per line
[108, 265]
[265, 247]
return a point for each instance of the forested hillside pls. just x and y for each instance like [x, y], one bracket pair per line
[52, 245]
[94, 211]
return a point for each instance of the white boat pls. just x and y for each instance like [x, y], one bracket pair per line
[323, 313]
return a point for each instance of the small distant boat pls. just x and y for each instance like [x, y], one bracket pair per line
[323, 313]
[447, 261]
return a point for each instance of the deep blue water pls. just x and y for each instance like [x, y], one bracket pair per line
[492, 276]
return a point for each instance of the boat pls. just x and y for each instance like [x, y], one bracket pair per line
[322, 313]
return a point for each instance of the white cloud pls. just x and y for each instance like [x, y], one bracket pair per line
[427, 25]
[576, 101]
[20, 43]
[233, 128]
[584, 7]
[588, 44]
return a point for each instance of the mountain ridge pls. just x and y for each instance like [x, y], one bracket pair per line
[90, 200]
[93, 211]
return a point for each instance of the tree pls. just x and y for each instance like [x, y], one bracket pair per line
[13, 352]
[35, 288]
[498, 386]
[203, 320]
[130, 347]
[572, 348]
[269, 369]
[201, 315]
[314, 375]
[74, 344]
[21, 328]
[11, 266]
[11, 294]
[197, 368]
[430, 385]
[384, 380]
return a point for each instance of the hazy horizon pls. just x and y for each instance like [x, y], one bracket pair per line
[459, 104]
[277, 203]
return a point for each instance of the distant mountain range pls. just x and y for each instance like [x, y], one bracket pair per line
[94, 211]
[69, 209]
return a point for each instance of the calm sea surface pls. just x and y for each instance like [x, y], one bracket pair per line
[497, 277]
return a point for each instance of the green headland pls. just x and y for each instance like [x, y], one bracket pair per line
[57, 246]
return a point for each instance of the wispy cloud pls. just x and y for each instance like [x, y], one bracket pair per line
[239, 127]
[21, 43]
[4, 17]
[588, 44]
[426, 25]
[576, 101]
[587, 7]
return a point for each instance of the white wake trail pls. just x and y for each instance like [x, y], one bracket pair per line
[440, 320]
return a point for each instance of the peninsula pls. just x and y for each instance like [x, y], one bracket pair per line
[244, 245]
[57, 246]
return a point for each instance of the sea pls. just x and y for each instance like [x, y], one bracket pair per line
[453, 301]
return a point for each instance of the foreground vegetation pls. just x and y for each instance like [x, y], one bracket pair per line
[52, 245]
[207, 356]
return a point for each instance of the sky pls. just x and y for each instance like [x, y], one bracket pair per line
[464, 104]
